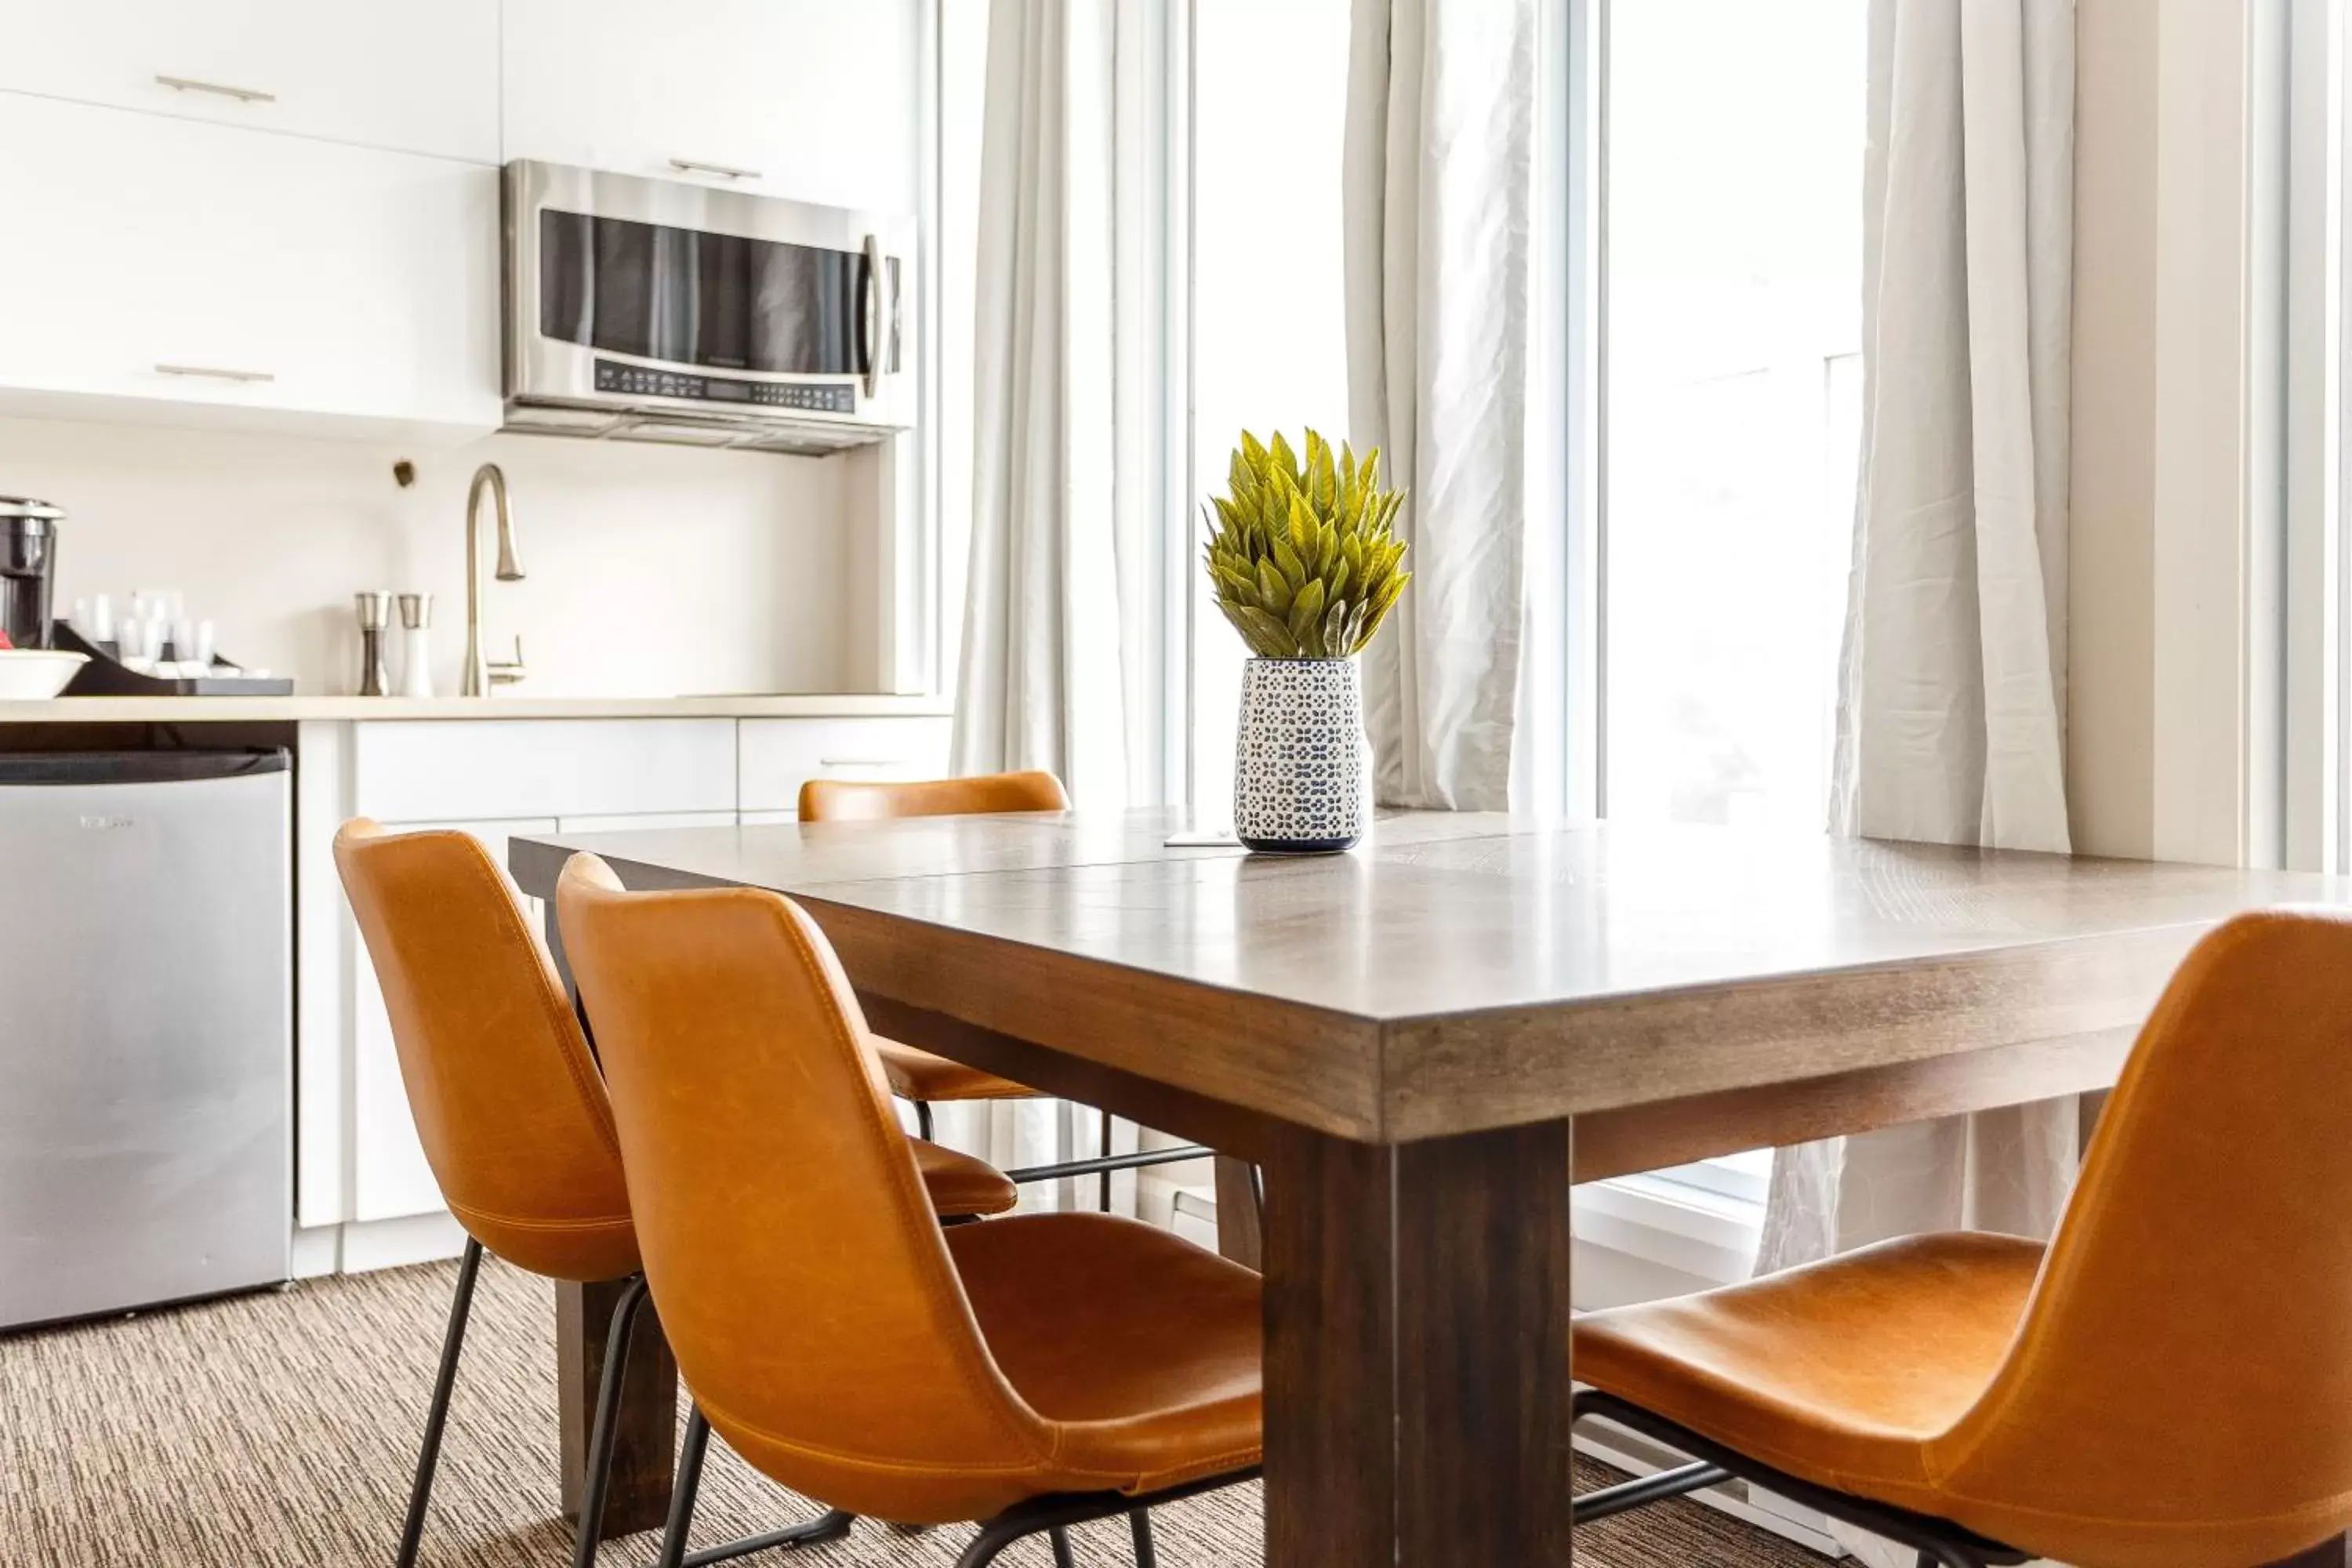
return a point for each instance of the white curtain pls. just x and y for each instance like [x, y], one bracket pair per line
[1040, 685]
[1950, 716]
[1436, 185]
[1040, 682]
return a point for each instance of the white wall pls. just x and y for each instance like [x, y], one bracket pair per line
[652, 570]
[2163, 696]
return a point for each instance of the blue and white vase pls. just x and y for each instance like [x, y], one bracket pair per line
[1298, 763]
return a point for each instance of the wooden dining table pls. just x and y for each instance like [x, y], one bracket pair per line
[1422, 1043]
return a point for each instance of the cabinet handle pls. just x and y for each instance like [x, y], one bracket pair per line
[242, 94]
[861, 762]
[689, 166]
[211, 372]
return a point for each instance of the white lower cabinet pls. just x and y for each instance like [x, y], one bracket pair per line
[646, 821]
[776, 756]
[358, 1162]
[570, 769]
[389, 1176]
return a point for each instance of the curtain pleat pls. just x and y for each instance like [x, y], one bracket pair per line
[1437, 192]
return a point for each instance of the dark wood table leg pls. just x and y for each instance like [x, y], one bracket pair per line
[2334, 1553]
[646, 1436]
[1416, 1357]
[1240, 1231]
[637, 1497]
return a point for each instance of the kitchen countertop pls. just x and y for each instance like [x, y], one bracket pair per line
[288, 709]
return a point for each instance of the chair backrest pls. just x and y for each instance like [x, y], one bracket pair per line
[793, 1255]
[2185, 1362]
[844, 800]
[507, 1101]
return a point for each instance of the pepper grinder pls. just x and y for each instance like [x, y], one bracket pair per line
[375, 614]
[416, 645]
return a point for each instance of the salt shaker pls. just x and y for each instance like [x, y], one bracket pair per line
[375, 614]
[416, 645]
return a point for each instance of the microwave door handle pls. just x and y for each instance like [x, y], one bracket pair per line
[874, 343]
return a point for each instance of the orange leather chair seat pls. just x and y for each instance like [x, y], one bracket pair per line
[915, 1074]
[584, 1250]
[1142, 1350]
[1839, 1374]
[959, 1185]
[2165, 1387]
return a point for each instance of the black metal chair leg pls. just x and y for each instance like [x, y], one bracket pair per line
[923, 1120]
[603, 1429]
[995, 1537]
[1061, 1538]
[682, 1490]
[1140, 1522]
[1943, 1557]
[1625, 1496]
[437, 1417]
[830, 1525]
[1106, 1175]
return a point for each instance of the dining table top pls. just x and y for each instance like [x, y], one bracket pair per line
[1462, 969]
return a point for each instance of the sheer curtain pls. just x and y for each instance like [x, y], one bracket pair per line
[1951, 709]
[1040, 683]
[1437, 191]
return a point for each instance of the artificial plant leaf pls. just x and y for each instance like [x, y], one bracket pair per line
[1266, 636]
[1306, 616]
[1272, 592]
[1335, 630]
[1286, 562]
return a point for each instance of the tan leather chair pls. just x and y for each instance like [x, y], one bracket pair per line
[2169, 1386]
[917, 1076]
[510, 1105]
[1033, 1372]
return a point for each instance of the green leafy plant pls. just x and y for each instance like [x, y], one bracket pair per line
[1302, 557]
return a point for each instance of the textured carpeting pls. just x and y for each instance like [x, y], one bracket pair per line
[279, 1431]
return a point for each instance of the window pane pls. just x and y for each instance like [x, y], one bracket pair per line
[1269, 338]
[1733, 260]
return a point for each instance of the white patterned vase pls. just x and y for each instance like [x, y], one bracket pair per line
[1298, 763]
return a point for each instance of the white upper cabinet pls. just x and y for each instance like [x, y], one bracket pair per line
[418, 77]
[260, 278]
[812, 100]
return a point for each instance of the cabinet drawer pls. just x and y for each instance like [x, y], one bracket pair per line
[645, 821]
[779, 754]
[182, 263]
[419, 77]
[462, 769]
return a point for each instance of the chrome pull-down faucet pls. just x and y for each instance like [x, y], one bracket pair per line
[482, 674]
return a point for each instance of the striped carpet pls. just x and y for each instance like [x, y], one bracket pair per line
[277, 1431]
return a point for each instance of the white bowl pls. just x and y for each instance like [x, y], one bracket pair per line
[33, 674]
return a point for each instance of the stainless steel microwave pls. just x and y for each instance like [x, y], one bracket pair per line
[658, 310]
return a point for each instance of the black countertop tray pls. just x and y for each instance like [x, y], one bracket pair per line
[104, 675]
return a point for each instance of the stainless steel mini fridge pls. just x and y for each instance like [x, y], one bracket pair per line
[146, 1027]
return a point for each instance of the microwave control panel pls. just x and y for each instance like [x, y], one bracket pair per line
[613, 376]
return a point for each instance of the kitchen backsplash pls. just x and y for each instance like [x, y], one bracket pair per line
[652, 570]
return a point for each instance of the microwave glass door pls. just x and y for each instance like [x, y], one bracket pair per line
[685, 296]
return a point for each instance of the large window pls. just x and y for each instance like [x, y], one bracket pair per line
[1728, 383]
[1731, 383]
[1732, 386]
[1269, 343]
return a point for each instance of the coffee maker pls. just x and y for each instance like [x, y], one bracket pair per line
[28, 566]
